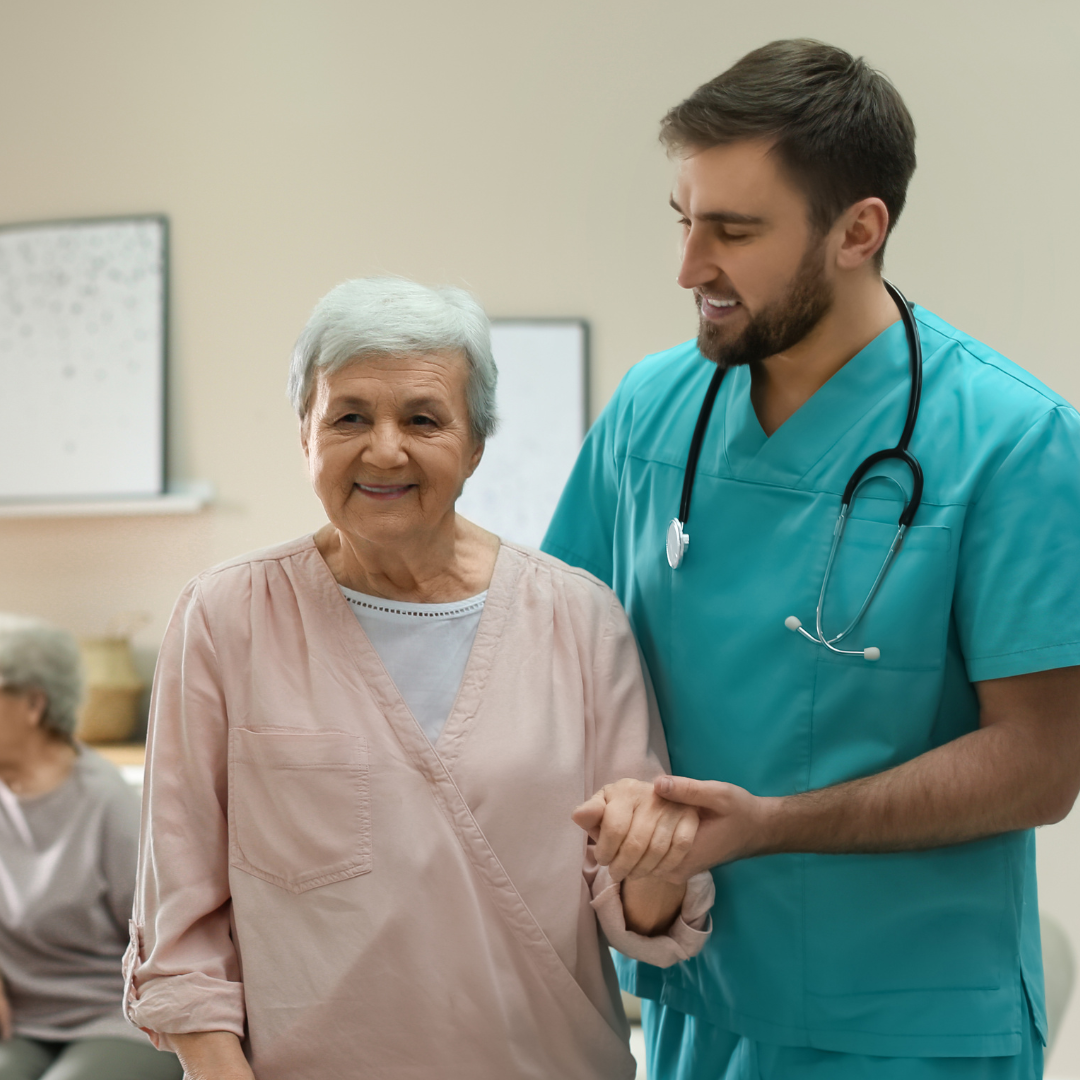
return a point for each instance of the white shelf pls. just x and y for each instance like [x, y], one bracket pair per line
[189, 499]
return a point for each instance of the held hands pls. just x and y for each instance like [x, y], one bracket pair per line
[674, 828]
[637, 832]
[733, 823]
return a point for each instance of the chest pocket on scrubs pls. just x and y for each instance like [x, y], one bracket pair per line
[299, 807]
[871, 715]
[908, 921]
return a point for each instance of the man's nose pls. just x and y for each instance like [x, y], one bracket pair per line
[699, 265]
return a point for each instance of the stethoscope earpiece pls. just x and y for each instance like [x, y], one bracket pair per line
[872, 652]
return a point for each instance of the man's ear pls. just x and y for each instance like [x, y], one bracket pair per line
[864, 225]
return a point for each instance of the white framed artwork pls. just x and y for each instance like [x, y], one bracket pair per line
[83, 313]
[543, 415]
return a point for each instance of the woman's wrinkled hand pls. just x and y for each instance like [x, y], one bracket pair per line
[637, 833]
[211, 1055]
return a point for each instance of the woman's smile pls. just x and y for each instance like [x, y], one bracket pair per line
[384, 492]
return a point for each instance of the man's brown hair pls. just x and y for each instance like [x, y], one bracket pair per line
[841, 129]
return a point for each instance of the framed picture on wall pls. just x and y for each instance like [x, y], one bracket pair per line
[543, 415]
[83, 320]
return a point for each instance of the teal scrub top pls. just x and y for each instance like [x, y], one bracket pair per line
[931, 953]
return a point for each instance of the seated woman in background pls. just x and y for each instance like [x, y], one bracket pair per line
[68, 841]
[365, 747]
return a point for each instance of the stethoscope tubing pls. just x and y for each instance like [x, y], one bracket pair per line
[678, 539]
[696, 442]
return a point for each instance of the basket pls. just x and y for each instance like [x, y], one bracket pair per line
[113, 689]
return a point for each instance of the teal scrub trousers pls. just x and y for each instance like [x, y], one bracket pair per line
[681, 1047]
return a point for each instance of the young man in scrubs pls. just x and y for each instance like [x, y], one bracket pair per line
[869, 821]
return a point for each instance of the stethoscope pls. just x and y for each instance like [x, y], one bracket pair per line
[678, 539]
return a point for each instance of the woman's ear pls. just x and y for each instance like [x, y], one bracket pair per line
[37, 704]
[474, 459]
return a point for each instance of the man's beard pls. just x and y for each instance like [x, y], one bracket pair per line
[777, 326]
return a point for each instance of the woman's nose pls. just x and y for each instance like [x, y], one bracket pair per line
[386, 450]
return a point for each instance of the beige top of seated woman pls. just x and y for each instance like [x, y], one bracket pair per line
[317, 877]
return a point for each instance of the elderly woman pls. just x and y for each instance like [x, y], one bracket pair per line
[366, 745]
[68, 840]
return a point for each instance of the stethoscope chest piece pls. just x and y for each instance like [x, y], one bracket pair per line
[678, 540]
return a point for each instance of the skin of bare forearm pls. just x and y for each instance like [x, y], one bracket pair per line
[990, 781]
[1020, 769]
[211, 1055]
[650, 905]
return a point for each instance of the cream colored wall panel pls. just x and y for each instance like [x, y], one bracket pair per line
[503, 146]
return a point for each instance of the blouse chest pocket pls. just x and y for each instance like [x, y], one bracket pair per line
[299, 807]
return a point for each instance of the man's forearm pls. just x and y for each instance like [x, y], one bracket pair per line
[990, 781]
[1021, 768]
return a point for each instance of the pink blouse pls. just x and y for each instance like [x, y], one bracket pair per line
[320, 879]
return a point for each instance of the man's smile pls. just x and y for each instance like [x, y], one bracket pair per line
[717, 309]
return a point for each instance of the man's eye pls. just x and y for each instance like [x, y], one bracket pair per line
[423, 421]
[351, 418]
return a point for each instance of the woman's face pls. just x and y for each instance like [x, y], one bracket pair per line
[388, 444]
[20, 714]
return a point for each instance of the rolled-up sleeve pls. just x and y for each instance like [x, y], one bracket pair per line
[685, 937]
[181, 970]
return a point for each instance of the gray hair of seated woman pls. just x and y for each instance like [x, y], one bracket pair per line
[389, 316]
[37, 656]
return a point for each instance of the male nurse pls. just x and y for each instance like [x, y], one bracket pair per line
[868, 821]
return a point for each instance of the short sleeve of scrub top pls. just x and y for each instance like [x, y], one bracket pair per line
[1017, 594]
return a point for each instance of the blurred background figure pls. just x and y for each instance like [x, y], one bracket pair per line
[68, 838]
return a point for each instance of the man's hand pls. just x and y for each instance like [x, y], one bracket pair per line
[1020, 769]
[636, 831]
[733, 823]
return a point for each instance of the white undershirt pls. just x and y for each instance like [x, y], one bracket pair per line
[424, 647]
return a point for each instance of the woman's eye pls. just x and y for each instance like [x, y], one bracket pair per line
[351, 418]
[423, 421]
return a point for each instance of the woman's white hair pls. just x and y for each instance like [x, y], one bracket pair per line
[37, 656]
[389, 316]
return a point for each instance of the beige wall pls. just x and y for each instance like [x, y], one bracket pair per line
[506, 146]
